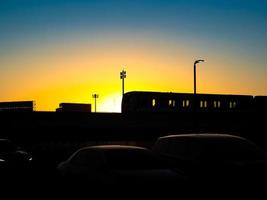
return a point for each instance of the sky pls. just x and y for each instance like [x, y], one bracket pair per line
[54, 51]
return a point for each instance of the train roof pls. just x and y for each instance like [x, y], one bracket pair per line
[185, 94]
[261, 97]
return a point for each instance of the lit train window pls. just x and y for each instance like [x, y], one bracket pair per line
[153, 102]
[216, 104]
[172, 103]
[232, 104]
[187, 103]
[201, 104]
[205, 104]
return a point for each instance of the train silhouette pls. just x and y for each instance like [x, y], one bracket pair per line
[157, 102]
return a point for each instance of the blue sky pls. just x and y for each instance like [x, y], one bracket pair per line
[240, 21]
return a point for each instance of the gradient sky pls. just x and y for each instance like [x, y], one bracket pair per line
[54, 51]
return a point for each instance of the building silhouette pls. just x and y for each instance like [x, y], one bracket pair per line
[28, 106]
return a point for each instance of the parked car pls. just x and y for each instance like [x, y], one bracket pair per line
[109, 164]
[13, 160]
[214, 157]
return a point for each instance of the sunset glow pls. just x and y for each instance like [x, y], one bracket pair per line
[68, 61]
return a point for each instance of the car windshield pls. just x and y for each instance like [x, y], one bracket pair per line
[229, 150]
[214, 149]
[87, 157]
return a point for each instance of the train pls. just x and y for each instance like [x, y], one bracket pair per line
[159, 102]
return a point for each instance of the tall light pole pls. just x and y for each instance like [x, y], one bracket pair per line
[195, 74]
[195, 121]
[95, 96]
[123, 76]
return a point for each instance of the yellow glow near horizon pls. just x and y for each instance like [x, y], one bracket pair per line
[111, 103]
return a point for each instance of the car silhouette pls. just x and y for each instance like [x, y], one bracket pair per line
[214, 158]
[15, 163]
[109, 164]
[10, 152]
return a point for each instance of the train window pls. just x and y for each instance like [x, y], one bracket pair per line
[187, 103]
[216, 104]
[205, 104]
[153, 102]
[232, 104]
[172, 103]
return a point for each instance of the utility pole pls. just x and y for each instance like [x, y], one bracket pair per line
[123, 76]
[95, 96]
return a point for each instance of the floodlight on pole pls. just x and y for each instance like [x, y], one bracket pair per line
[195, 75]
[95, 96]
[123, 76]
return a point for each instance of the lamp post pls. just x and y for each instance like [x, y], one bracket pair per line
[195, 121]
[123, 76]
[95, 96]
[195, 74]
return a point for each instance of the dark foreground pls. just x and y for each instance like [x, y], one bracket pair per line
[51, 138]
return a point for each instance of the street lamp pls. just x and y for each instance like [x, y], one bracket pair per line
[195, 121]
[95, 96]
[195, 78]
[123, 76]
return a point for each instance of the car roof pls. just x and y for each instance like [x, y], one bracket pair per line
[99, 149]
[202, 136]
[113, 147]
[212, 142]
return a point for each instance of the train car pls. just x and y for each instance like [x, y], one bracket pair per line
[184, 102]
[223, 103]
[260, 103]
